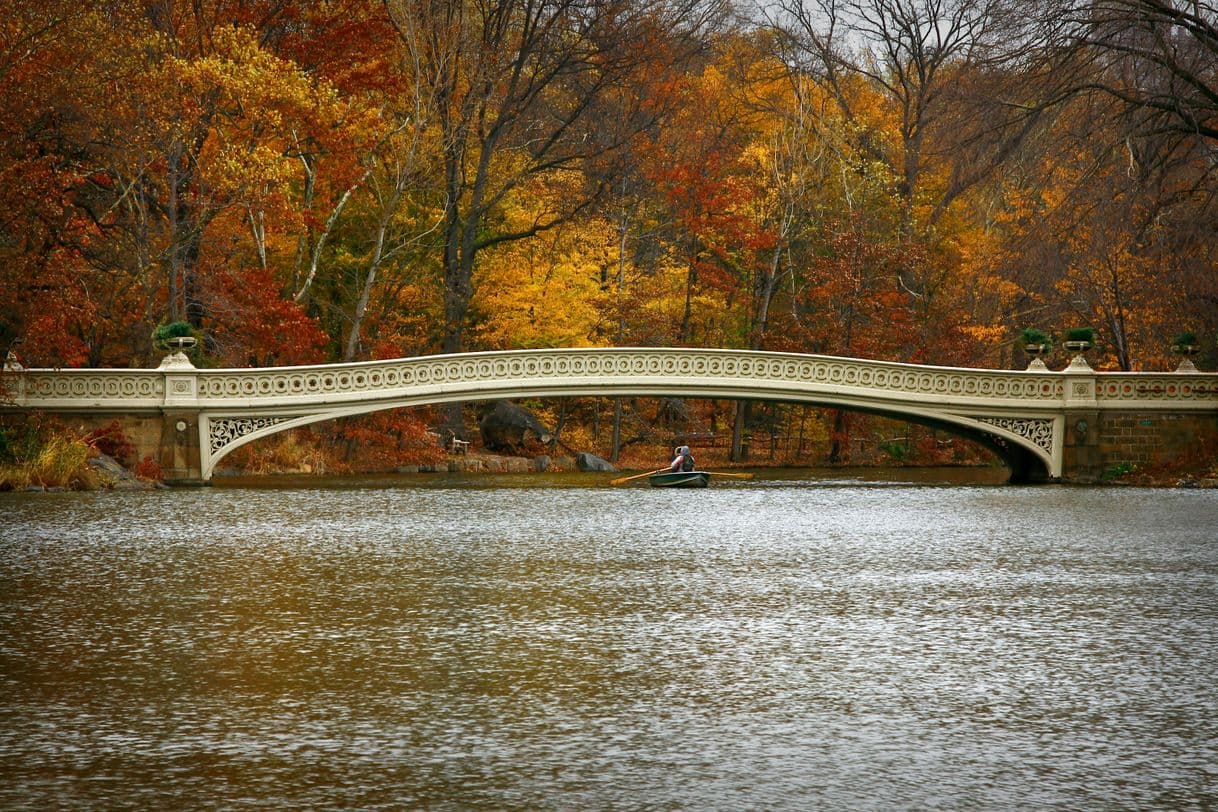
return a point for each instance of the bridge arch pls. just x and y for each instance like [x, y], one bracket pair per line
[1024, 442]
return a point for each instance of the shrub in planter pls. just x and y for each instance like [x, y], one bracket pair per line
[1030, 335]
[1034, 342]
[175, 335]
[1079, 339]
[1185, 342]
[1077, 334]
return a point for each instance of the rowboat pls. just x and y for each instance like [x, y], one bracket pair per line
[680, 479]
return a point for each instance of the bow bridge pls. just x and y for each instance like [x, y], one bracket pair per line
[1059, 426]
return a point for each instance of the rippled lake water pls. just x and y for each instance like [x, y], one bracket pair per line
[557, 643]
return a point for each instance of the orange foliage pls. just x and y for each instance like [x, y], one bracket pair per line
[385, 440]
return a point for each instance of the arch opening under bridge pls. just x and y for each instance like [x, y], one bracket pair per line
[1025, 462]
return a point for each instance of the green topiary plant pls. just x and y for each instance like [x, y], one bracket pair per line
[1185, 339]
[1030, 335]
[1086, 334]
[175, 329]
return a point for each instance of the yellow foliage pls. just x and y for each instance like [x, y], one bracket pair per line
[256, 104]
[287, 452]
[986, 336]
[541, 292]
[60, 462]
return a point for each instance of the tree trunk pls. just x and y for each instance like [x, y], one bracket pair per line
[176, 305]
[616, 451]
[836, 453]
[739, 452]
[361, 305]
[691, 281]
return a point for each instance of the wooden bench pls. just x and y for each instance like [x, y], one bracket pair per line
[448, 441]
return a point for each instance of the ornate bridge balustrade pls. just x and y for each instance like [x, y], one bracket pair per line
[1044, 425]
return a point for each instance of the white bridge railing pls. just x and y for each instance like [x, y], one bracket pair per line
[178, 384]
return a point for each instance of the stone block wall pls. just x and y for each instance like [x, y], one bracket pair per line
[1149, 439]
[152, 435]
[144, 431]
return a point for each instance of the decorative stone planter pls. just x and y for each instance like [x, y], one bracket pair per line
[1036, 352]
[1078, 362]
[177, 358]
[1186, 353]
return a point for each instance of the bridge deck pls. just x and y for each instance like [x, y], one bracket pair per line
[1017, 411]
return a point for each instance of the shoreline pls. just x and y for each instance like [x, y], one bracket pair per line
[111, 476]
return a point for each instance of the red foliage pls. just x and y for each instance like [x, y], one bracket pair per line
[253, 325]
[147, 468]
[854, 303]
[349, 42]
[112, 441]
[386, 348]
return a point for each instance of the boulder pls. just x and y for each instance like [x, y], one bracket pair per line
[507, 428]
[107, 466]
[114, 476]
[590, 462]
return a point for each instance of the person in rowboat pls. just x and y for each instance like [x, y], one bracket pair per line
[684, 460]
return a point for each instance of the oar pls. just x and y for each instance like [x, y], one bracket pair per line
[724, 473]
[622, 479]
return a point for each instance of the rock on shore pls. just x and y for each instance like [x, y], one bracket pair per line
[113, 476]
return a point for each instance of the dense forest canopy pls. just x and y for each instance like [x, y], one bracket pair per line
[914, 180]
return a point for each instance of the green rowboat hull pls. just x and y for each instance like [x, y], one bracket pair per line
[680, 479]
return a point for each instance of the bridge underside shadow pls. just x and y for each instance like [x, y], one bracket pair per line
[1024, 465]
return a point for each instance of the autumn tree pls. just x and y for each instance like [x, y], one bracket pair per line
[1158, 56]
[1112, 229]
[196, 126]
[44, 297]
[1159, 60]
[526, 88]
[933, 98]
[365, 206]
[693, 168]
[542, 292]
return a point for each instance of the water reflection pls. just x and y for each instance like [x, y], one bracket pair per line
[777, 644]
